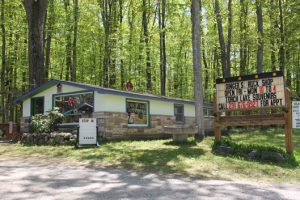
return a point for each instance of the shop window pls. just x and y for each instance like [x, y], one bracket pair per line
[138, 112]
[179, 113]
[75, 106]
[37, 105]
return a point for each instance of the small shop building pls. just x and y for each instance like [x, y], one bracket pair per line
[120, 114]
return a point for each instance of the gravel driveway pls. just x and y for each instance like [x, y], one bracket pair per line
[31, 179]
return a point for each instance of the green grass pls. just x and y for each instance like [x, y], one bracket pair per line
[164, 156]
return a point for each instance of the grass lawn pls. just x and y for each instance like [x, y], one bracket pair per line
[192, 158]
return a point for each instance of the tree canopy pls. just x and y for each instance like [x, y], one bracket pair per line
[107, 42]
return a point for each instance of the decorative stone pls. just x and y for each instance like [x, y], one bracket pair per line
[58, 139]
[252, 155]
[67, 136]
[223, 150]
[272, 156]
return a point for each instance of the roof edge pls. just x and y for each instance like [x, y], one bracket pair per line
[105, 91]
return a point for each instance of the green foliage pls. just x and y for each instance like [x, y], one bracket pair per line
[128, 49]
[241, 150]
[40, 124]
[55, 117]
[46, 123]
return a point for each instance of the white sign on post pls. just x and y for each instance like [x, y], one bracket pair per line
[296, 114]
[87, 131]
[11, 126]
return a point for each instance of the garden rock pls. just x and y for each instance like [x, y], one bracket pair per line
[223, 150]
[68, 136]
[272, 156]
[252, 155]
[58, 139]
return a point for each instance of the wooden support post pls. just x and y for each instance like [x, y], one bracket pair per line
[288, 124]
[217, 128]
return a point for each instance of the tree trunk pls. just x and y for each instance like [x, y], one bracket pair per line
[272, 35]
[13, 86]
[74, 63]
[162, 44]
[243, 39]
[221, 40]
[122, 73]
[113, 46]
[35, 13]
[3, 62]
[198, 92]
[68, 39]
[146, 39]
[51, 17]
[260, 43]
[229, 37]
[106, 17]
[281, 49]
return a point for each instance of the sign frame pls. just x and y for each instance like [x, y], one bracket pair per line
[78, 143]
[284, 117]
[256, 91]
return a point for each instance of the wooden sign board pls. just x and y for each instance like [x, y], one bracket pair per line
[296, 114]
[252, 91]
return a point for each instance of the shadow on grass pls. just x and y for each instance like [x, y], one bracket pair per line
[170, 159]
[189, 143]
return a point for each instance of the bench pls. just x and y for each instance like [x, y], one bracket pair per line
[180, 133]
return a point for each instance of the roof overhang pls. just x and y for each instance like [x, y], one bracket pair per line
[102, 90]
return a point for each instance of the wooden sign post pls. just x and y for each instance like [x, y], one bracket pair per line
[264, 94]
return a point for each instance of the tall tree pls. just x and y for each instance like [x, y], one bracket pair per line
[68, 39]
[146, 38]
[197, 67]
[225, 70]
[260, 41]
[50, 26]
[122, 70]
[281, 49]
[243, 35]
[162, 44]
[272, 34]
[229, 36]
[3, 62]
[105, 6]
[35, 13]
[74, 61]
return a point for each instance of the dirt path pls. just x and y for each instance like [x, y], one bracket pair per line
[32, 179]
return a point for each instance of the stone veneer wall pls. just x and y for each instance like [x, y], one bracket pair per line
[114, 125]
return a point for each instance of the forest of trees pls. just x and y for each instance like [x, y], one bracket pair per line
[107, 42]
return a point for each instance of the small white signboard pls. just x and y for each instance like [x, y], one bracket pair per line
[11, 126]
[296, 114]
[87, 131]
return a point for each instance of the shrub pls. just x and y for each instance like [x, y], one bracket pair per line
[46, 123]
[40, 124]
[55, 118]
[242, 150]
